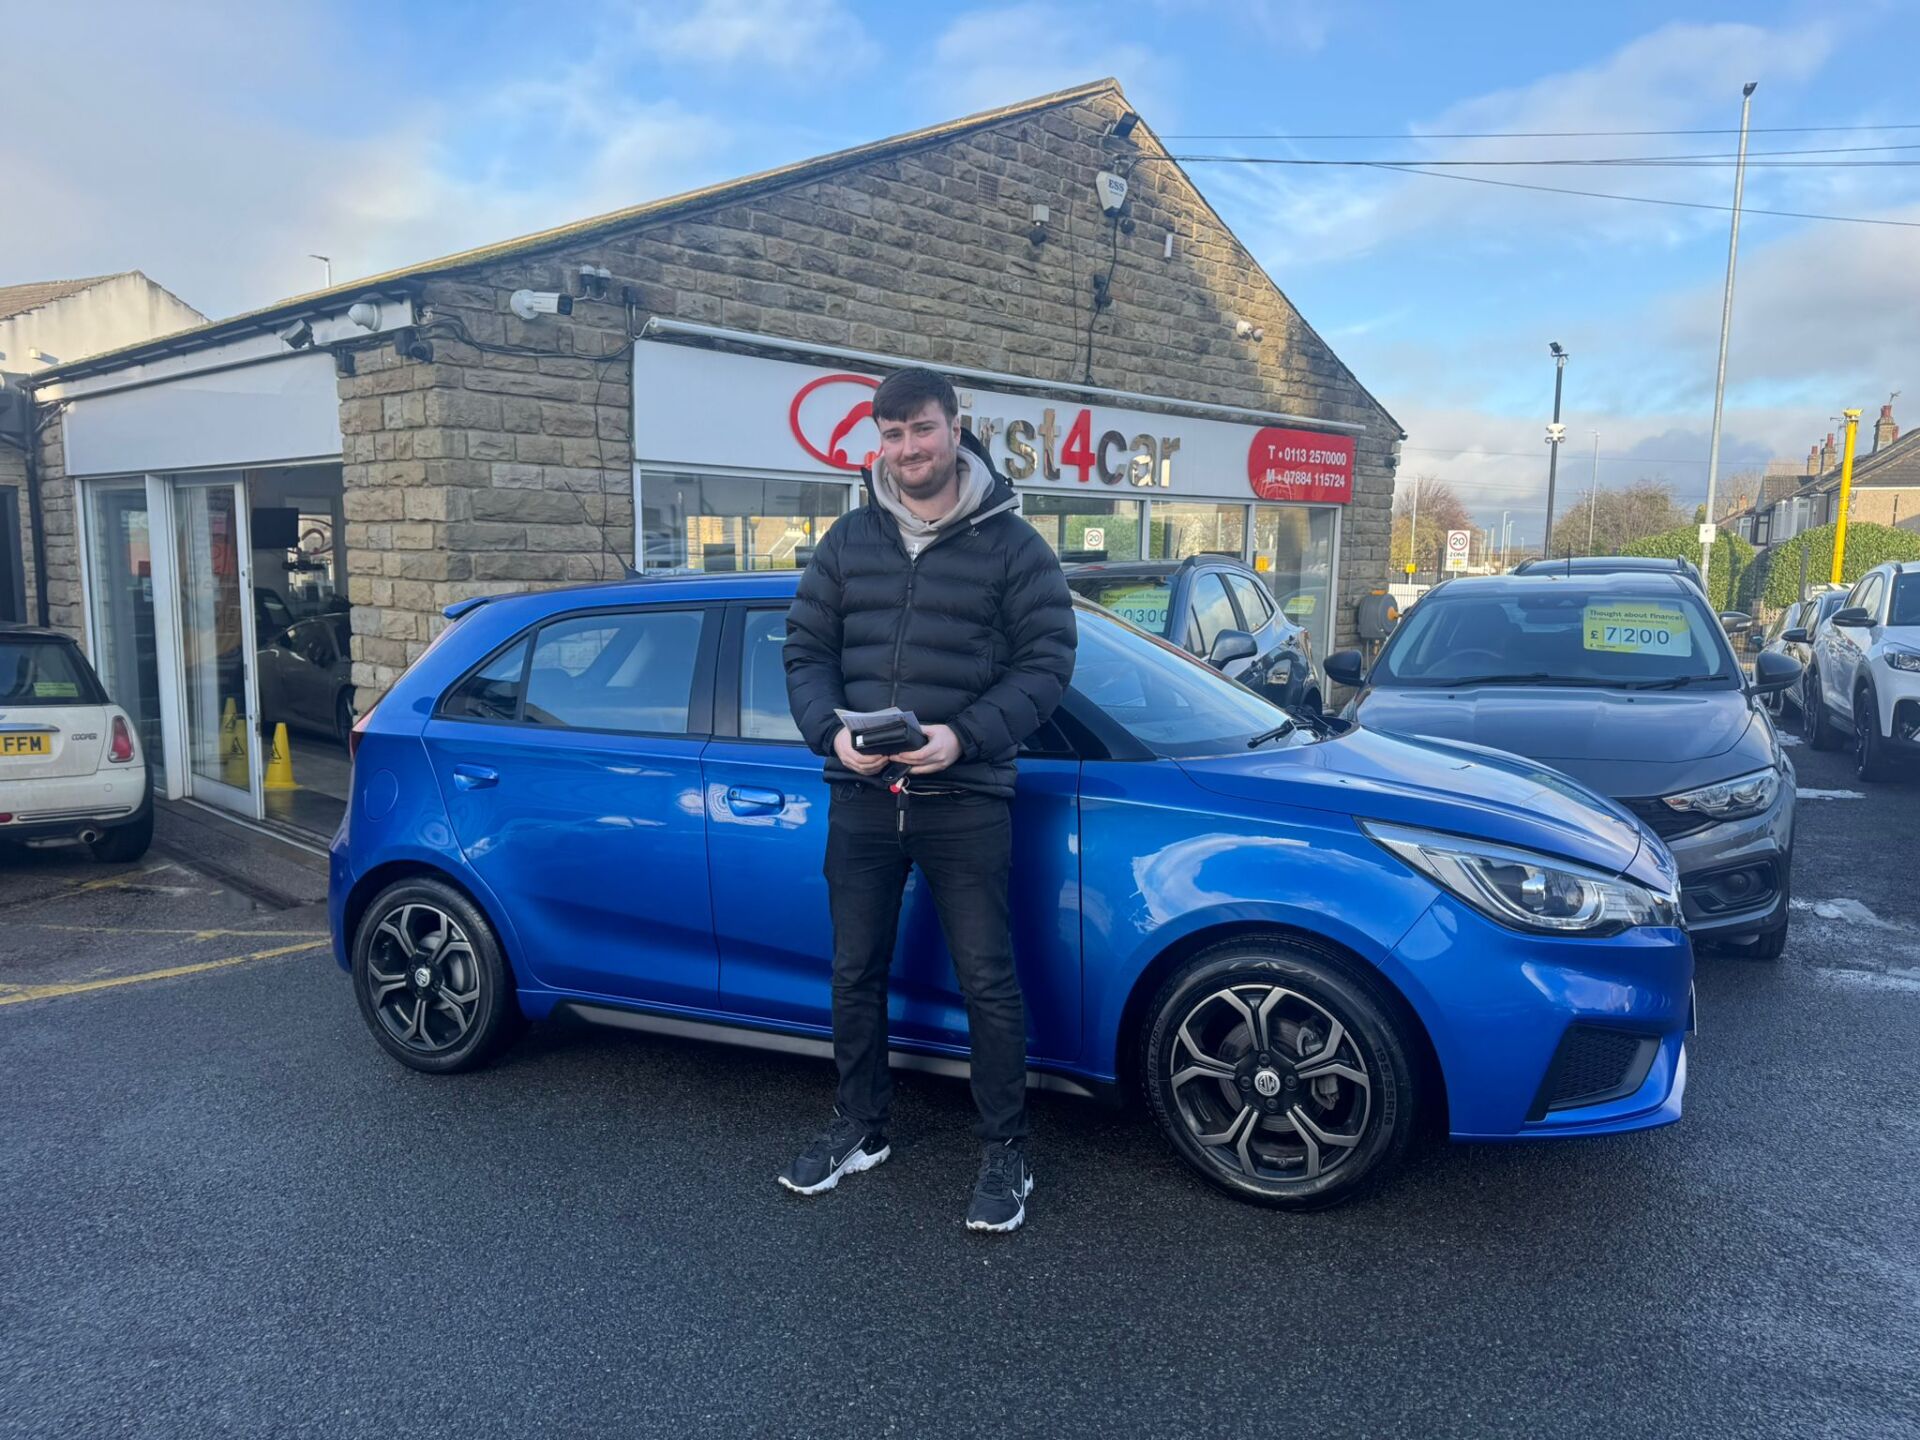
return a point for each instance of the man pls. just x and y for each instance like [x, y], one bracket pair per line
[937, 597]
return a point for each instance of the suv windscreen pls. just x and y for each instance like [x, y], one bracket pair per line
[45, 672]
[1143, 600]
[1163, 697]
[1559, 634]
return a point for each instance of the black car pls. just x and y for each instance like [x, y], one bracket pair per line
[1215, 607]
[1584, 565]
[1808, 615]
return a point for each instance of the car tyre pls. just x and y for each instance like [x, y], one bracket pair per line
[433, 984]
[1816, 727]
[1278, 1075]
[126, 843]
[1869, 750]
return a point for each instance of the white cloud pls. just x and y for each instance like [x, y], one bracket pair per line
[183, 160]
[821, 37]
[987, 58]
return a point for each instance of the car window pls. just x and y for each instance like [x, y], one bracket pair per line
[764, 712]
[1905, 609]
[312, 641]
[1872, 589]
[1783, 622]
[1166, 699]
[45, 672]
[1567, 634]
[491, 692]
[1142, 600]
[1212, 610]
[1252, 595]
[628, 672]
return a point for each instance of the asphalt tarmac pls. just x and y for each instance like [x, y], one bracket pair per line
[227, 1213]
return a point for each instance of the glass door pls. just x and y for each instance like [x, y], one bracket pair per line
[1293, 548]
[125, 646]
[222, 741]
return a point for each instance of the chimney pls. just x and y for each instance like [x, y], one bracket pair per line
[1813, 460]
[1826, 454]
[1885, 431]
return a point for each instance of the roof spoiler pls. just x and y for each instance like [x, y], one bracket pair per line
[465, 607]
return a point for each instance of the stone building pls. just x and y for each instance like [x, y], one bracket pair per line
[680, 385]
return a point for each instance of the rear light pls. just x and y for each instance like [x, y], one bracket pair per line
[121, 750]
[6, 817]
[353, 735]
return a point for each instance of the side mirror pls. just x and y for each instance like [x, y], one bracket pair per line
[1347, 667]
[1854, 617]
[1231, 645]
[1735, 622]
[1773, 672]
[1798, 635]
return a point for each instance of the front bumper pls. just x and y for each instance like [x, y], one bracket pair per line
[1500, 1007]
[1735, 875]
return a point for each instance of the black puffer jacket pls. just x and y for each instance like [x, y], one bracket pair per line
[977, 633]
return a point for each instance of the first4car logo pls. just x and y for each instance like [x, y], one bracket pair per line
[828, 412]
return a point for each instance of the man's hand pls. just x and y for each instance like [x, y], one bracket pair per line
[940, 751]
[855, 760]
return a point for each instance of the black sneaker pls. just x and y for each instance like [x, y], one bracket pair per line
[1000, 1194]
[846, 1147]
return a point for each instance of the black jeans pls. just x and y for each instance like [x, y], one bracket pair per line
[963, 845]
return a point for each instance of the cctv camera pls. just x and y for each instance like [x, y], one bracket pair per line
[1111, 190]
[409, 345]
[297, 336]
[529, 303]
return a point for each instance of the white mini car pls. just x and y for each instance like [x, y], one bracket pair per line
[71, 766]
[1864, 676]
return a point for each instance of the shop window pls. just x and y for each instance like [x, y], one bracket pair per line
[764, 713]
[631, 672]
[730, 522]
[1088, 528]
[1183, 528]
[1293, 551]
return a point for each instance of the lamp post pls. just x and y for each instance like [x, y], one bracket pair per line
[326, 260]
[1593, 491]
[1726, 322]
[1556, 432]
[1506, 524]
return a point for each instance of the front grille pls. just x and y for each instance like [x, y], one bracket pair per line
[1665, 821]
[1594, 1065]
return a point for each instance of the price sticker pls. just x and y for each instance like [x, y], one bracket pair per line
[1142, 605]
[1639, 629]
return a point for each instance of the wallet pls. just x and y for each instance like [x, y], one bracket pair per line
[882, 732]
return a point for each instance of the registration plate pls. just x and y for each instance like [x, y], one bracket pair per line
[25, 745]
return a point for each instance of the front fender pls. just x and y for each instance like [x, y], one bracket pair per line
[1163, 860]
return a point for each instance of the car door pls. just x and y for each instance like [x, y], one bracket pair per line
[766, 812]
[570, 766]
[1847, 645]
[1274, 664]
[1210, 610]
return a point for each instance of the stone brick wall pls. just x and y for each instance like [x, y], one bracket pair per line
[65, 611]
[485, 471]
[1890, 506]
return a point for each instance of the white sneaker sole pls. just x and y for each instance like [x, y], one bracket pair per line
[856, 1162]
[1019, 1216]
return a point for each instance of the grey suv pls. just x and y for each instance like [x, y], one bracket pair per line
[1214, 607]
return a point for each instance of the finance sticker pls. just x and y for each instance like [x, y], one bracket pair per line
[1636, 629]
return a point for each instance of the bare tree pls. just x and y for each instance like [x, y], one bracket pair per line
[1617, 518]
[1440, 510]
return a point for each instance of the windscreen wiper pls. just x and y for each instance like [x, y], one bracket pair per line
[1675, 683]
[1278, 731]
[1537, 677]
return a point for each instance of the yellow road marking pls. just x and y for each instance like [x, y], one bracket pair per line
[191, 934]
[16, 995]
[113, 882]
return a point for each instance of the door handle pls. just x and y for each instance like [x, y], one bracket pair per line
[475, 777]
[754, 800]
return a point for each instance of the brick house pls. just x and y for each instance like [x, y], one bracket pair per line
[362, 457]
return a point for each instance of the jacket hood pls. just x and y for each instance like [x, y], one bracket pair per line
[984, 492]
[1606, 739]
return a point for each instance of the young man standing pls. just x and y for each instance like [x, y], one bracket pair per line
[937, 597]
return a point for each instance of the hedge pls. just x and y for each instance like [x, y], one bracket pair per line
[1776, 579]
[1732, 558]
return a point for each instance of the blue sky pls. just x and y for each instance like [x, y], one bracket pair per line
[213, 146]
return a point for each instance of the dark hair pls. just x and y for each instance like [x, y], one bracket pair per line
[902, 394]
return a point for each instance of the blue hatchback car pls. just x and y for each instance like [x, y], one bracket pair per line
[1297, 940]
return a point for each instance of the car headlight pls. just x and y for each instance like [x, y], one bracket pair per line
[1524, 890]
[1901, 659]
[1730, 799]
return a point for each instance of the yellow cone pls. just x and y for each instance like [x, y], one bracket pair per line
[233, 750]
[280, 762]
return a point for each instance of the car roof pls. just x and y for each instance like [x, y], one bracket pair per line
[1602, 564]
[1083, 569]
[1540, 582]
[10, 630]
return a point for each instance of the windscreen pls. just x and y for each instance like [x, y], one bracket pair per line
[44, 672]
[1564, 633]
[1143, 600]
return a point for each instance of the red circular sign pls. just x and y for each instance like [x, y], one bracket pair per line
[829, 421]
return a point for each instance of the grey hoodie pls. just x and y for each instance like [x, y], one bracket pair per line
[976, 483]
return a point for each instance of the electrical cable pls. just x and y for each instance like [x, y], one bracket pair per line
[1553, 134]
[1104, 293]
[1714, 160]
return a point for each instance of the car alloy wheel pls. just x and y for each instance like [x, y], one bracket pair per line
[424, 978]
[1278, 1076]
[432, 983]
[1869, 752]
[1815, 728]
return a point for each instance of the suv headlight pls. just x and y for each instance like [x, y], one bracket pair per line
[1901, 659]
[1524, 890]
[1730, 799]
